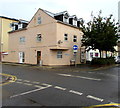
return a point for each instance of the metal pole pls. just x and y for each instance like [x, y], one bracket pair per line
[75, 58]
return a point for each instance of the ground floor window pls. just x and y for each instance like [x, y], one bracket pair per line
[96, 54]
[59, 54]
[91, 54]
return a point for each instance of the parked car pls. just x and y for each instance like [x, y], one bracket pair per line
[117, 59]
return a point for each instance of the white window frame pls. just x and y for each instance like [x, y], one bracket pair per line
[20, 26]
[39, 38]
[91, 54]
[59, 54]
[39, 20]
[65, 37]
[66, 20]
[74, 38]
[74, 22]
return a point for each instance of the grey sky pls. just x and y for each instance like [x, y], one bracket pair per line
[25, 9]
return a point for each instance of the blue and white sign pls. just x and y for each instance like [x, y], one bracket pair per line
[75, 47]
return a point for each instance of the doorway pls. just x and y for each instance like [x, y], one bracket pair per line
[38, 57]
[21, 57]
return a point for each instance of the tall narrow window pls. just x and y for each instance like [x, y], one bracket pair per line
[39, 20]
[74, 38]
[39, 37]
[65, 37]
[66, 18]
[59, 54]
[91, 54]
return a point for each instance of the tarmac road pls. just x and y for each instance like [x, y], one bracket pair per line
[65, 86]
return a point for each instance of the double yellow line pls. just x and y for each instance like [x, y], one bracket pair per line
[13, 79]
[111, 105]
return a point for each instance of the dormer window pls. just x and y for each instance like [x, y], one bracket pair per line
[75, 21]
[66, 18]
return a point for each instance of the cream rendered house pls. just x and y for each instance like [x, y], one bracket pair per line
[5, 27]
[48, 39]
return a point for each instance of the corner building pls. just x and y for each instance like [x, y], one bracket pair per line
[4, 29]
[48, 39]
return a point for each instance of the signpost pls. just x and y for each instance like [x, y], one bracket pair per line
[75, 48]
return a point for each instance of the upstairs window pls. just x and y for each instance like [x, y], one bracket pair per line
[66, 18]
[74, 38]
[65, 37]
[39, 37]
[75, 21]
[39, 20]
[59, 54]
[22, 39]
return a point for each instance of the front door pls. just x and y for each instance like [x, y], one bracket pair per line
[21, 57]
[38, 57]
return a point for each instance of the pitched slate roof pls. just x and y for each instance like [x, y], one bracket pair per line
[49, 13]
[9, 18]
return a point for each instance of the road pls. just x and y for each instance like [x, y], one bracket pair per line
[45, 86]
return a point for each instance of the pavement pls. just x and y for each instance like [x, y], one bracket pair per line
[80, 67]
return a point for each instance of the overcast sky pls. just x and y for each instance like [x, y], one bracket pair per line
[25, 9]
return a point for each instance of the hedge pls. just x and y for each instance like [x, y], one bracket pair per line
[103, 61]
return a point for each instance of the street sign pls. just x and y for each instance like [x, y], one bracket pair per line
[75, 51]
[75, 47]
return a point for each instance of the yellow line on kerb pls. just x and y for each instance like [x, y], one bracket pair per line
[14, 78]
[112, 104]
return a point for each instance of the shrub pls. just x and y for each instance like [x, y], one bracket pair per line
[103, 61]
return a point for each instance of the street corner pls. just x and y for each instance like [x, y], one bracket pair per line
[7, 79]
[111, 105]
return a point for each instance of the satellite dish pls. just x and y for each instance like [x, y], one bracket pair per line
[59, 42]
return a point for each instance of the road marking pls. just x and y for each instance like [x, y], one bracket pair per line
[26, 81]
[95, 98]
[19, 82]
[27, 92]
[110, 105]
[35, 82]
[75, 92]
[37, 86]
[67, 75]
[88, 78]
[115, 104]
[27, 84]
[19, 79]
[44, 84]
[10, 79]
[60, 88]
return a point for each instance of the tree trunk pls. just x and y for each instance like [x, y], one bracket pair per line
[100, 53]
[106, 54]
